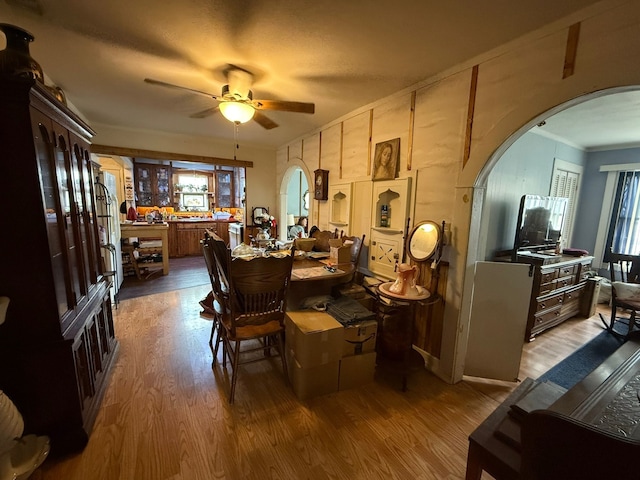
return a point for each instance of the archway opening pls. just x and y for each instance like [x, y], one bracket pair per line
[524, 164]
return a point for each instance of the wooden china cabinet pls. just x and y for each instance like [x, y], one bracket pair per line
[153, 185]
[57, 344]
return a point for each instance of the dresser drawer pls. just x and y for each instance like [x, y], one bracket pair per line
[547, 276]
[564, 282]
[549, 302]
[571, 302]
[568, 270]
[546, 288]
[547, 316]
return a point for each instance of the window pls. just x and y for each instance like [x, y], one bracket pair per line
[566, 183]
[623, 235]
[192, 189]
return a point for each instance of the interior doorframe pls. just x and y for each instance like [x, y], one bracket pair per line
[292, 166]
[477, 245]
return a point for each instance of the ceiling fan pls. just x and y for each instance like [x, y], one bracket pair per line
[236, 101]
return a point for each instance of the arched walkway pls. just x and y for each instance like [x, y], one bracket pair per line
[476, 247]
[292, 166]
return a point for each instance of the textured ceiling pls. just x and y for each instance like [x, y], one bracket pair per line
[340, 55]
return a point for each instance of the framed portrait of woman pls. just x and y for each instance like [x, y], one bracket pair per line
[385, 160]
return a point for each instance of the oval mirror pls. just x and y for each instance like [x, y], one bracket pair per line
[423, 241]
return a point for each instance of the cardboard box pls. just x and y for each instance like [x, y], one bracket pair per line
[315, 338]
[356, 370]
[360, 338]
[367, 302]
[312, 381]
[339, 253]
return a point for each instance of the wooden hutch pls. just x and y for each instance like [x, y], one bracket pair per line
[57, 344]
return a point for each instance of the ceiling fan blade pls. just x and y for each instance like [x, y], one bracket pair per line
[205, 113]
[264, 121]
[284, 106]
[171, 85]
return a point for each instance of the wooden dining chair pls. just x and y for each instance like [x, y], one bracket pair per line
[625, 293]
[255, 310]
[356, 247]
[322, 238]
[215, 253]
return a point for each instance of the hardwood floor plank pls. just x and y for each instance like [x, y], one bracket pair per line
[165, 414]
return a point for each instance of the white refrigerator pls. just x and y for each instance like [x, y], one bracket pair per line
[107, 210]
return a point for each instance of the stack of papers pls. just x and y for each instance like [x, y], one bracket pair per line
[312, 272]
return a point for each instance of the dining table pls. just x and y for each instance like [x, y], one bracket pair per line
[313, 274]
[316, 276]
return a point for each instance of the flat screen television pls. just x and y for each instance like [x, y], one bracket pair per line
[540, 222]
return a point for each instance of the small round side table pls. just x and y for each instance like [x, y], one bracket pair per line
[395, 315]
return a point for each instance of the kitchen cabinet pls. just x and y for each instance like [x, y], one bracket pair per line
[225, 188]
[153, 185]
[185, 236]
[58, 343]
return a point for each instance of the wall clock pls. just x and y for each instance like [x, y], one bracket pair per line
[321, 184]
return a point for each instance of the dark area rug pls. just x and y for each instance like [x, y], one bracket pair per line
[184, 272]
[583, 361]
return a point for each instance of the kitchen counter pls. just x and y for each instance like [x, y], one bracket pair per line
[200, 220]
[185, 234]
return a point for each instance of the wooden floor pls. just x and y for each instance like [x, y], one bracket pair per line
[166, 416]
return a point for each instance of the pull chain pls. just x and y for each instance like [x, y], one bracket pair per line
[235, 139]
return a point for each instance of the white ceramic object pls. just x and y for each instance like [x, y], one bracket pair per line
[405, 284]
[422, 293]
[27, 455]
[11, 424]
[19, 456]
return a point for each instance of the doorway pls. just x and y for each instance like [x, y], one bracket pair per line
[295, 198]
[491, 211]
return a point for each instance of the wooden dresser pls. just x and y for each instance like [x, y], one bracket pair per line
[57, 344]
[559, 285]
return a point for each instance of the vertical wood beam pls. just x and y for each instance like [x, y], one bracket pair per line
[470, 112]
[571, 50]
[341, 144]
[412, 121]
[369, 146]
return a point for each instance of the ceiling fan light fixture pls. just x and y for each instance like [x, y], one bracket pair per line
[237, 112]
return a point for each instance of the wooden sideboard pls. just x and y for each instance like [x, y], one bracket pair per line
[558, 288]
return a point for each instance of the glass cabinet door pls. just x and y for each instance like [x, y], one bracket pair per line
[153, 185]
[162, 186]
[224, 189]
[143, 185]
[51, 194]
